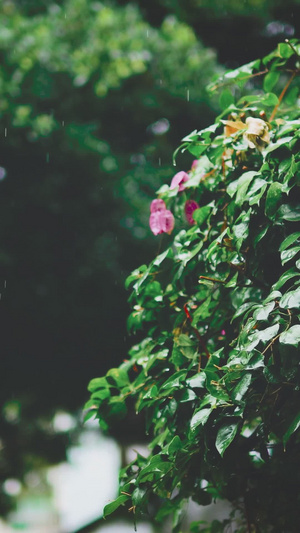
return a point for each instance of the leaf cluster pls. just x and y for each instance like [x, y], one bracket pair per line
[217, 374]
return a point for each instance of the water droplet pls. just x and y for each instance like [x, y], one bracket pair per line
[159, 161]
[5, 132]
[47, 157]
[188, 95]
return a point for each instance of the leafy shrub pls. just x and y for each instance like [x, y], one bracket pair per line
[217, 374]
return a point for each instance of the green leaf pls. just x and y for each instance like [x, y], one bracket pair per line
[273, 198]
[117, 407]
[289, 213]
[241, 388]
[291, 336]
[119, 376]
[225, 436]
[156, 465]
[138, 495]
[289, 274]
[270, 80]
[100, 394]
[201, 214]
[200, 417]
[197, 381]
[287, 255]
[160, 258]
[174, 445]
[268, 333]
[175, 381]
[290, 299]
[289, 240]
[263, 312]
[226, 99]
[97, 383]
[292, 428]
[284, 50]
[240, 186]
[111, 507]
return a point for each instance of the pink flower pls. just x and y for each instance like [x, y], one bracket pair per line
[178, 180]
[189, 208]
[223, 332]
[194, 164]
[161, 219]
[157, 205]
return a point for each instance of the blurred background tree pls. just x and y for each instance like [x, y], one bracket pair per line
[94, 97]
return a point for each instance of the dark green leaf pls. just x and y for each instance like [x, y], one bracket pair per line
[273, 198]
[225, 436]
[293, 427]
[174, 445]
[200, 417]
[175, 381]
[241, 388]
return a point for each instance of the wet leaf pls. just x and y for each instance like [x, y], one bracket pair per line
[225, 436]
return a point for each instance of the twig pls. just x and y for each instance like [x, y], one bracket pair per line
[282, 95]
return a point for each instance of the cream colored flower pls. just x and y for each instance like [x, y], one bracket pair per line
[257, 133]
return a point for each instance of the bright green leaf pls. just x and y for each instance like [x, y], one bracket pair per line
[291, 336]
[113, 506]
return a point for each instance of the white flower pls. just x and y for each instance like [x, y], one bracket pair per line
[257, 133]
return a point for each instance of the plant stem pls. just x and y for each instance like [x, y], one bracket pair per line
[282, 95]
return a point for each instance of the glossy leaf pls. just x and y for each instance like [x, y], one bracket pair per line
[225, 436]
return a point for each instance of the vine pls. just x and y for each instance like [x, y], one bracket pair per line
[217, 374]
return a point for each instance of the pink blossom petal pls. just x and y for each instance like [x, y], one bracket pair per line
[223, 332]
[157, 205]
[189, 208]
[178, 180]
[161, 222]
[168, 223]
[194, 164]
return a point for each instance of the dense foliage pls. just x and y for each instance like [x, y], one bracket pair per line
[216, 374]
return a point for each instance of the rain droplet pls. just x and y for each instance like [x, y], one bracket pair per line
[47, 157]
[5, 132]
[159, 161]
[188, 95]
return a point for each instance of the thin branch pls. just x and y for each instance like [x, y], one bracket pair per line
[282, 95]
